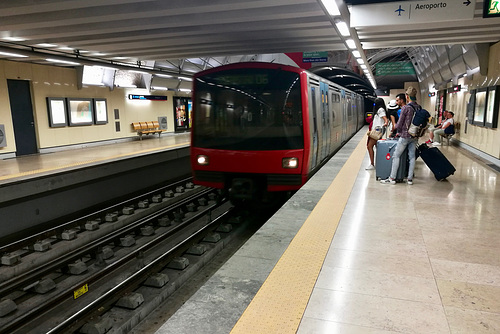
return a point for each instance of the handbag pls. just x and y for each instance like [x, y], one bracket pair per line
[376, 133]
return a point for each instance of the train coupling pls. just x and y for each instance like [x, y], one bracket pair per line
[242, 188]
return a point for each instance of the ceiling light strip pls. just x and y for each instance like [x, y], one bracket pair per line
[340, 18]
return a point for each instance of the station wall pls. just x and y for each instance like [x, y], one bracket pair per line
[52, 81]
[486, 140]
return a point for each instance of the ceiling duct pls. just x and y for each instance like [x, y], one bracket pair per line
[458, 66]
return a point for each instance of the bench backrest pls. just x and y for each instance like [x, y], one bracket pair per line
[153, 125]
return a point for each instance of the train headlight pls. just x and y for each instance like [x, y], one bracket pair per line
[202, 160]
[290, 162]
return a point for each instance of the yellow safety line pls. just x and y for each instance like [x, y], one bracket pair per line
[44, 170]
[280, 303]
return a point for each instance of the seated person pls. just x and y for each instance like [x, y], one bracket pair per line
[447, 127]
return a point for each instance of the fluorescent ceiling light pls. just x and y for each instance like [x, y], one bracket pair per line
[46, 45]
[185, 90]
[331, 7]
[8, 54]
[185, 79]
[62, 61]
[159, 88]
[140, 72]
[343, 28]
[363, 66]
[350, 43]
[14, 39]
[356, 54]
[65, 48]
[163, 75]
[360, 61]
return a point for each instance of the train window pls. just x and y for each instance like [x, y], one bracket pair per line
[248, 109]
[335, 99]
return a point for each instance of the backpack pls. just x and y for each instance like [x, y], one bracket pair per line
[419, 123]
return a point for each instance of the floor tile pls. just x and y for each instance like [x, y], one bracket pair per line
[379, 284]
[391, 264]
[466, 272]
[470, 296]
[377, 312]
[316, 326]
[472, 322]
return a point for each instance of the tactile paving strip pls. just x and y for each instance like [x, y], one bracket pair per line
[81, 163]
[280, 303]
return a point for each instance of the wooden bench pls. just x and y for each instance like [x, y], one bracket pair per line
[147, 128]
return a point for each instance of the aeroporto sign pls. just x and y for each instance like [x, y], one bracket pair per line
[411, 12]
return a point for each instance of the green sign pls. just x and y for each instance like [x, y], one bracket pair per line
[491, 8]
[394, 68]
[313, 57]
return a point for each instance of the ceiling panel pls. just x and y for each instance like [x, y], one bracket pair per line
[166, 32]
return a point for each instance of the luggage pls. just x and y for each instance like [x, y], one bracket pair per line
[436, 161]
[383, 160]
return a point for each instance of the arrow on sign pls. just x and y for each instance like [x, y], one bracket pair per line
[467, 2]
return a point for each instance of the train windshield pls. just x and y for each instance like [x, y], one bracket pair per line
[248, 109]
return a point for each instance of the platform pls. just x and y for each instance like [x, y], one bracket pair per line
[348, 254]
[38, 191]
[31, 166]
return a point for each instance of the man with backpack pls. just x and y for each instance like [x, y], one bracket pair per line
[405, 139]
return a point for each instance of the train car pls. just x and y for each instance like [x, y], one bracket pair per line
[263, 127]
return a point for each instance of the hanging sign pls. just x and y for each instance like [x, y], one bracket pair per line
[411, 12]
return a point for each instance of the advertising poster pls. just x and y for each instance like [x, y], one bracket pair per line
[182, 113]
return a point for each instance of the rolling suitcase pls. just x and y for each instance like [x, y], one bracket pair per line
[436, 161]
[383, 160]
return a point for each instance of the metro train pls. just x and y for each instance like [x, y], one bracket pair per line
[262, 127]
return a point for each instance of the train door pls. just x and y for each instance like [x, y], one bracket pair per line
[325, 122]
[22, 117]
[350, 113]
[313, 116]
[344, 115]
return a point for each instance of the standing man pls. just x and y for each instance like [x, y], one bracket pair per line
[401, 102]
[405, 140]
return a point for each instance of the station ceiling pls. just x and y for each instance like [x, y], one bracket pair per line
[169, 34]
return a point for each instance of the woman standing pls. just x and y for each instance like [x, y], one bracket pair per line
[379, 119]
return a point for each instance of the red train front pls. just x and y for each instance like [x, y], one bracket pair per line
[248, 128]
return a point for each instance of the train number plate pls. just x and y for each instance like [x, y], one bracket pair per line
[81, 291]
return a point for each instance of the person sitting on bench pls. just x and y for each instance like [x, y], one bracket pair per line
[445, 128]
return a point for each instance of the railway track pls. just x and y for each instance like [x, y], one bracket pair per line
[71, 261]
[107, 271]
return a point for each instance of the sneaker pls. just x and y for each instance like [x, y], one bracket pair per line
[410, 182]
[371, 167]
[436, 144]
[388, 180]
